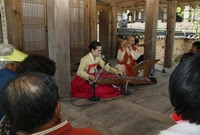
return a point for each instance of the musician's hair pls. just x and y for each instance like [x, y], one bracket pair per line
[93, 45]
[184, 89]
[29, 101]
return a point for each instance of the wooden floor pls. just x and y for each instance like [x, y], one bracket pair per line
[145, 112]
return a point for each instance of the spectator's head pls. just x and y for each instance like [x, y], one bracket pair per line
[196, 47]
[31, 102]
[37, 63]
[184, 89]
[10, 57]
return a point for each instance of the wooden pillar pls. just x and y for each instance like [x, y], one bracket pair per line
[114, 32]
[170, 33]
[93, 20]
[90, 21]
[13, 11]
[151, 21]
[59, 42]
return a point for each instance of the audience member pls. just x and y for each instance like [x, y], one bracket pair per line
[87, 73]
[184, 91]
[9, 60]
[128, 56]
[37, 63]
[31, 103]
[34, 63]
[195, 47]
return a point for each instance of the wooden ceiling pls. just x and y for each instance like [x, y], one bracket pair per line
[141, 3]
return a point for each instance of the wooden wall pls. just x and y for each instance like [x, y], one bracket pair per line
[83, 28]
[104, 22]
[13, 12]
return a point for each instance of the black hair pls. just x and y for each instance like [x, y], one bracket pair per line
[37, 63]
[186, 56]
[184, 89]
[197, 44]
[29, 101]
[93, 45]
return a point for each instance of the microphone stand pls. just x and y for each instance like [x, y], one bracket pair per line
[94, 97]
[93, 86]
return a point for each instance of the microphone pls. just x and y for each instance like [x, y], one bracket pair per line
[104, 58]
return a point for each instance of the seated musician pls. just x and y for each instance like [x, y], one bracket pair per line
[87, 74]
[128, 56]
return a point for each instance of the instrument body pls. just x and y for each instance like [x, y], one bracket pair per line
[140, 76]
[114, 79]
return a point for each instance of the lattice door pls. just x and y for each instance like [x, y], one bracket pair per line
[35, 26]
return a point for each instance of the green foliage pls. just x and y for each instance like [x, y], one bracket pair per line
[179, 12]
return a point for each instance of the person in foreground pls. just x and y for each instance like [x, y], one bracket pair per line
[87, 74]
[184, 92]
[128, 56]
[32, 63]
[31, 103]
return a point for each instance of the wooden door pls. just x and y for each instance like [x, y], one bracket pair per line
[104, 32]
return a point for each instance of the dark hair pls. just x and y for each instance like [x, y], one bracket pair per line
[37, 63]
[29, 101]
[184, 89]
[186, 56]
[94, 45]
[197, 44]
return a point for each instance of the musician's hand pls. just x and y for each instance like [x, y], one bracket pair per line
[125, 48]
[119, 73]
[129, 47]
[91, 78]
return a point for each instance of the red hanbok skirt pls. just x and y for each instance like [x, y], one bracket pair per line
[80, 88]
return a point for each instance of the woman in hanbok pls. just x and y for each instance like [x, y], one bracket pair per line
[83, 83]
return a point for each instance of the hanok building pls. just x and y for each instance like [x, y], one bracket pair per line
[63, 29]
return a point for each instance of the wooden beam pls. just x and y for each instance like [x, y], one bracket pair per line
[103, 7]
[151, 29]
[170, 32]
[59, 42]
[103, 1]
[126, 3]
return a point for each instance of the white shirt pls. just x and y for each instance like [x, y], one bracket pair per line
[183, 128]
